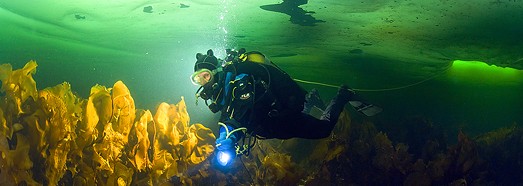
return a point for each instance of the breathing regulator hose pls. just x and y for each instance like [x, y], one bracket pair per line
[229, 133]
[239, 149]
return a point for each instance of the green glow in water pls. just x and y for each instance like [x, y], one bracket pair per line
[481, 72]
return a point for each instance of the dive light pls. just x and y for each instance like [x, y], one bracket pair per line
[225, 158]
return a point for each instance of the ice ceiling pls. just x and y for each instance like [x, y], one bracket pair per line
[409, 31]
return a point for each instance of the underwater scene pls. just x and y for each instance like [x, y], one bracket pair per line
[353, 92]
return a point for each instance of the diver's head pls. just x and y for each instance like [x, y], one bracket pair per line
[207, 74]
[208, 61]
[204, 68]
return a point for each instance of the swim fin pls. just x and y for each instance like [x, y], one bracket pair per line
[363, 107]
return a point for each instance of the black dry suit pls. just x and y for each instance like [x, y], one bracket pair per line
[268, 102]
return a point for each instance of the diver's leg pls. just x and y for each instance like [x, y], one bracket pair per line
[335, 107]
[312, 99]
[300, 125]
[310, 127]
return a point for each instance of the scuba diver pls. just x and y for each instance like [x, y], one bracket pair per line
[258, 99]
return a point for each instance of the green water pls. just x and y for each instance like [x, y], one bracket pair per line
[394, 44]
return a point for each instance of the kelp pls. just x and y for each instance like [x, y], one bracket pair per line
[98, 112]
[63, 139]
[278, 169]
[16, 164]
[140, 153]
[124, 111]
[61, 112]
[18, 86]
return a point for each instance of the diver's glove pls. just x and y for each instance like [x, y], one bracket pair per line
[224, 143]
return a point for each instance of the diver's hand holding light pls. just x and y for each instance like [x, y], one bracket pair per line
[224, 147]
[226, 144]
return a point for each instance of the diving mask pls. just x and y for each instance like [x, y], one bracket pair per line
[202, 77]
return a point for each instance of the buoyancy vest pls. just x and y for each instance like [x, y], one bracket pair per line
[258, 89]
